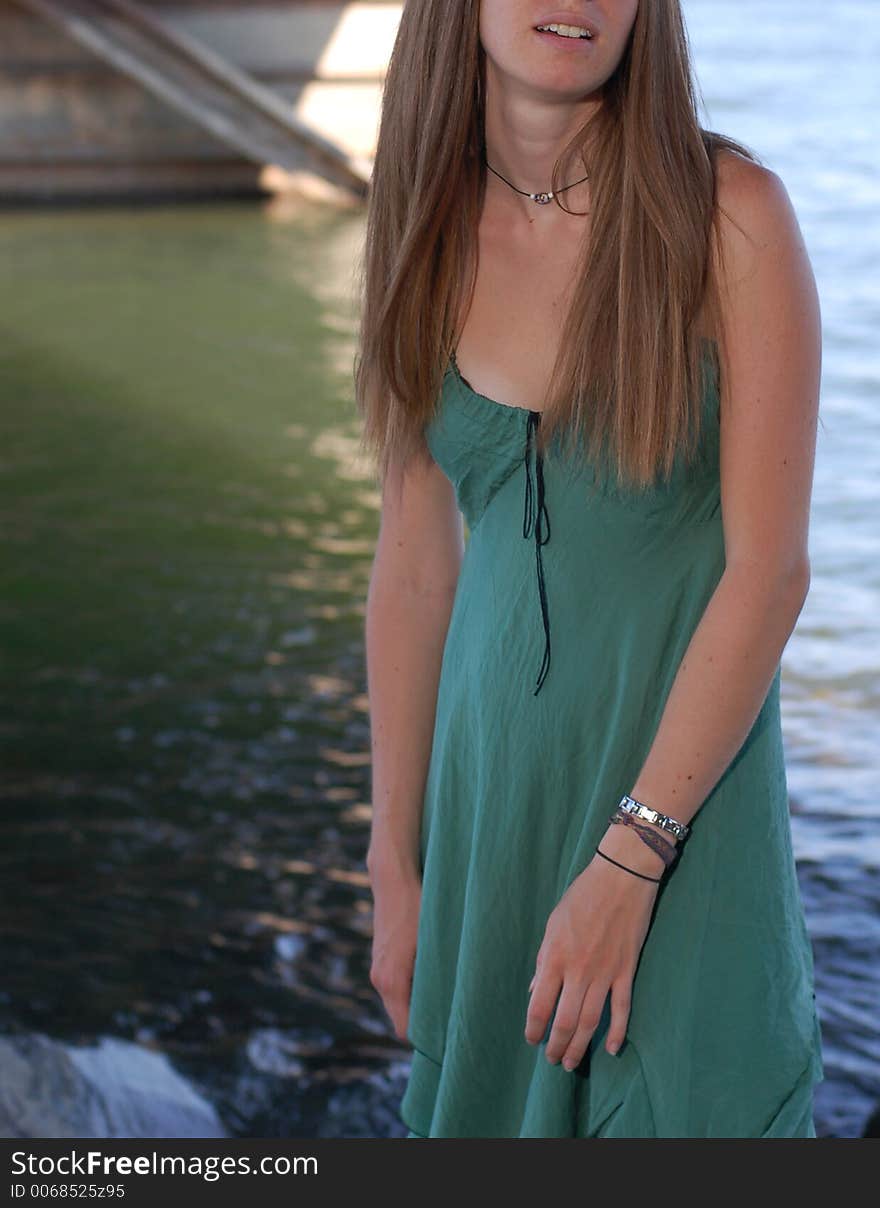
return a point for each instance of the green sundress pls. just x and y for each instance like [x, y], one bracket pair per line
[574, 606]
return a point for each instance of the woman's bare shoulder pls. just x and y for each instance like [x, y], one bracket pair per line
[755, 208]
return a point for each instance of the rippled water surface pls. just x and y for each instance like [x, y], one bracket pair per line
[188, 533]
[801, 89]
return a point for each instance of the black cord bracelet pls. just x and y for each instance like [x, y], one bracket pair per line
[643, 875]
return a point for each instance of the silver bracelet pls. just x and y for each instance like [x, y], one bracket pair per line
[629, 805]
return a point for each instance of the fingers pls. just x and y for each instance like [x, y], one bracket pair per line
[400, 1018]
[565, 1022]
[393, 983]
[547, 984]
[578, 1014]
[398, 1009]
[621, 996]
[588, 1021]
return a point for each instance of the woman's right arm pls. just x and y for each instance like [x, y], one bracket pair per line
[409, 602]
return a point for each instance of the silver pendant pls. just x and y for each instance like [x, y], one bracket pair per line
[542, 199]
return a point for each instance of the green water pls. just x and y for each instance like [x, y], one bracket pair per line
[188, 534]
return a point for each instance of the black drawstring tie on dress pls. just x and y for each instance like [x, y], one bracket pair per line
[540, 521]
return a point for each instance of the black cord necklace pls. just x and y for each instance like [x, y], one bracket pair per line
[542, 199]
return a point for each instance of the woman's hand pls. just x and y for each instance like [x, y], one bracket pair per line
[397, 896]
[591, 944]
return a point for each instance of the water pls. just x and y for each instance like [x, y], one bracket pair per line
[798, 83]
[188, 537]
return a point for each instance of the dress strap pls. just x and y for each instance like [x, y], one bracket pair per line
[539, 521]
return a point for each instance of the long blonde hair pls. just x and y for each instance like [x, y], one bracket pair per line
[629, 375]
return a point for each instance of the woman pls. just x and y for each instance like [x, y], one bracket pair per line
[589, 326]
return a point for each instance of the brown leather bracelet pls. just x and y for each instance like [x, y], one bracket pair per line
[662, 847]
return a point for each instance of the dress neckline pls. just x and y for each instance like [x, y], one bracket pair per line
[453, 361]
[707, 342]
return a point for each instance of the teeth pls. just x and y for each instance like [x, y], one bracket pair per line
[567, 31]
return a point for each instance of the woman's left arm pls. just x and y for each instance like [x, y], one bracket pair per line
[770, 396]
[768, 436]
